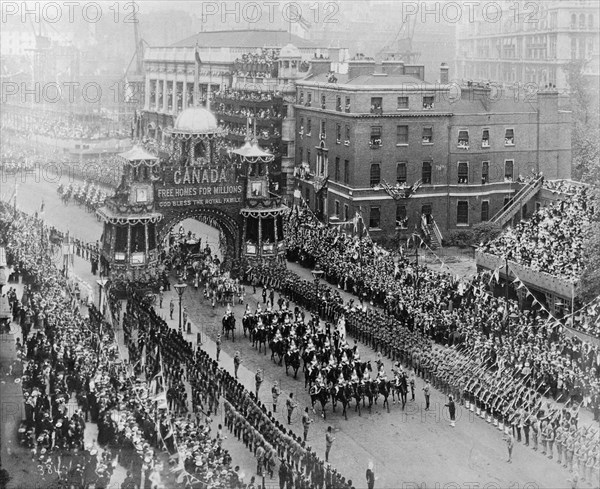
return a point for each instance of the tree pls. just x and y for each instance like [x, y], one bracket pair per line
[585, 139]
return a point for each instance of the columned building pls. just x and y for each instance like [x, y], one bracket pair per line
[531, 44]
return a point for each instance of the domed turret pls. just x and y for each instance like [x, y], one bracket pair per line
[196, 120]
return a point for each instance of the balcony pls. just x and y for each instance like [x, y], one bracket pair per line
[376, 110]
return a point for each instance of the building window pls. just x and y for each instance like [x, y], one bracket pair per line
[338, 134]
[401, 217]
[426, 172]
[347, 140]
[485, 139]
[573, 21]
[338, 104]
[375, 141]
[485, 172]
[509, 137]
[427, 135]
[376, 105]
[323, 102]
[308, 157]
[428, 102]
[337, 209]
[462, 212]
[591, 21]
[336, 169]
[401, 134]
[301, 131]
[346, 212]
[308, 127]
[284, 148]
[347, 104]
[402, 103]
[463, 172]
[375, 217]
[307, 198]
[509, 170]
[347, 171]
[301, 98]
[463, 139]
[401, 172]
[375, 174]
[309, 99]
[323, 132]
[485, 210]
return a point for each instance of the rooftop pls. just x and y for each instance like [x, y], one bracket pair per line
[245, 38]
[376, 79]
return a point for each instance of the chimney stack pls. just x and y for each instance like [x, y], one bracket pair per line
[360, 67]
[444, 74]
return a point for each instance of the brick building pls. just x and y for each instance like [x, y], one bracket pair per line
[383, 141]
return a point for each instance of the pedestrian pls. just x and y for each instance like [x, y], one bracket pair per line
[171, 308]
[185, 315]
[412, 385]
[218, 342]
[370, 476]
[259, 380]
[306, 421]
[283, 474]
[264, 295]
[509, 445]
[236, 363]
[427, 391]
[276, 391]
[290, 404]
[452, 410]
[161, 296]
[329, 439]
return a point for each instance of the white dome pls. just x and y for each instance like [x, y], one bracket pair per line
[290, 51]
[196, 120]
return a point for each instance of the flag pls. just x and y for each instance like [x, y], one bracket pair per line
[197, 54]
[157, 384]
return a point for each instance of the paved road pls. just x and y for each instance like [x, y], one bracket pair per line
[411, 447]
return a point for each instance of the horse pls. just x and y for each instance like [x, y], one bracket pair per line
[229, 325]
[277, 348]
[370, 393]
[310, 375]
[248, 325]
[401, 389]
[318, 394]
[260, 338]
[343, 394]
[292, 359]
[384, 389]
[358, 395]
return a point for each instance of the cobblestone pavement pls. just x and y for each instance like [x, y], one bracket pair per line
[408, 448]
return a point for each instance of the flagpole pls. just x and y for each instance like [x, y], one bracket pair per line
[196, 76]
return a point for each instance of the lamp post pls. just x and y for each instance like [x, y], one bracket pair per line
[101, 283]
[317, 273]
[180, 288]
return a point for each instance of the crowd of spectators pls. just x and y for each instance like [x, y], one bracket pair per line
[553, 239]
[262, 64]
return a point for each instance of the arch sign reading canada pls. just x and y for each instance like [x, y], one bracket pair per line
[200, 180]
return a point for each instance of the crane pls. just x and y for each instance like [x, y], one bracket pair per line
[401, 44]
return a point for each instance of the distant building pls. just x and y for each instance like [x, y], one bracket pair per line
[407, 153]
[533, 43]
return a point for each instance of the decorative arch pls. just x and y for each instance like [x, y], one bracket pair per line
[213, 217]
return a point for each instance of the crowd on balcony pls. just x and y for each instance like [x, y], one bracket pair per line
[553, 240]
[257, 65]
[265, 113]
[240, 130]
[246, 95]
